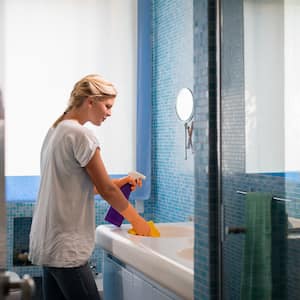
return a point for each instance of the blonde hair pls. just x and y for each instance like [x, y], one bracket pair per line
[91, 85]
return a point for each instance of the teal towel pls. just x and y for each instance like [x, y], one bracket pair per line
[257, 269]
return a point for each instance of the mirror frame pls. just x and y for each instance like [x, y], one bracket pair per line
[179, 100]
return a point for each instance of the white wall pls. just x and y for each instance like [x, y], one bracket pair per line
[1, 44]
[264, 85]
[48, 46]
[272, 72]
[292, 79]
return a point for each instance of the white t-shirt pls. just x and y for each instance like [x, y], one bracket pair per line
[63, 224]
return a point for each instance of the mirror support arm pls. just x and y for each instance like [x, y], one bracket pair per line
[188, 142]
[185, 139]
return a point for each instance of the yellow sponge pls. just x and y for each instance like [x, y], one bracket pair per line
[154, 232]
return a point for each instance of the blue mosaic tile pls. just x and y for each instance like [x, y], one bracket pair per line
[172, 175]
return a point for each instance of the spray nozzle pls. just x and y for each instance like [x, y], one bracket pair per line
[137, 175]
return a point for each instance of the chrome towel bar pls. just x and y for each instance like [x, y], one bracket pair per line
[275, 198]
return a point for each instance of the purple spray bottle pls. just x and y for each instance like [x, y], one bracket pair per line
[113, 216]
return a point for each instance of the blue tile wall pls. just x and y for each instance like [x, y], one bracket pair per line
[21, 239]
[206, 225]
[172, 175]
[21, 188]
[16, 210]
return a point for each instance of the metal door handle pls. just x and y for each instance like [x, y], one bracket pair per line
[25, 285]
[235, 230]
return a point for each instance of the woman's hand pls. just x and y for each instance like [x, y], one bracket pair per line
[138, 223]
[141, 227]
[128, 179]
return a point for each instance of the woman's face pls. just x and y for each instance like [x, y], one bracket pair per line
[100, 110]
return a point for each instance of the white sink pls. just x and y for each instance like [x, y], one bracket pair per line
[186, 253]
[171, 255]
[170, 230]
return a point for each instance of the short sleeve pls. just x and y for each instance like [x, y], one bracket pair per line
[85, 146]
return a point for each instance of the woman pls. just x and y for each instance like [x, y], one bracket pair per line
[63, 225]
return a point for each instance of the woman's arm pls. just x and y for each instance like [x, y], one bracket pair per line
[115, 181]
[110, 192]
[119, 182]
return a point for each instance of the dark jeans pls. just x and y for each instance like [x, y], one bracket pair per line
[69, 283]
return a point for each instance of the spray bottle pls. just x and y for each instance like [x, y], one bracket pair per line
[113, 216]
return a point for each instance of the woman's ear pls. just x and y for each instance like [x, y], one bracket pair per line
[90, 101]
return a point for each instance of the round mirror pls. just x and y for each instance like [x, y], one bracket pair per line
[185, 105]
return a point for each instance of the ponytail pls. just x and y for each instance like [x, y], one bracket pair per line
[58, 120]
[61, 117]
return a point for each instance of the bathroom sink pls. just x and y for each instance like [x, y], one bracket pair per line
[186, 253]
[171, 255]
[169, 230]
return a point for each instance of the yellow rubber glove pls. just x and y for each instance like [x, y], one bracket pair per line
[138, 223]
[128, 179]
[154, 232]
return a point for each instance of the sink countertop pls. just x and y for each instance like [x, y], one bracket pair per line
[170, 255]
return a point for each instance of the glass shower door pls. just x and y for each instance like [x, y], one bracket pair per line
[260, 147]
